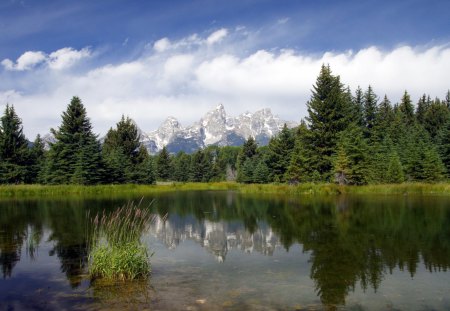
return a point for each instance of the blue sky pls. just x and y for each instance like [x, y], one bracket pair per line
[190, 55]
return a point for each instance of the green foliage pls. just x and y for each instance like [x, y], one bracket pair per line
[444, 146]
[126, 159]
[163, 167]
[247, 160]
[14, 153]
[395, 170]
[370, 110]
[75, 157]
[279, 154]
[116, 251]
[328, 115]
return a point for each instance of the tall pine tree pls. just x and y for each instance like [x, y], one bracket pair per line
[75, 156]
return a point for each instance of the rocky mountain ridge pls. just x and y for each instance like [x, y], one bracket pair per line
[215, 128]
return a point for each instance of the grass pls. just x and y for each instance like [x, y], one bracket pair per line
[116, 251]
[140, 190]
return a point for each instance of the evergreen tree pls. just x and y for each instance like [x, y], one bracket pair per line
[328, 115]
[261, 173]
[432, 168]
[246, 159]
[395, 170]
[358, 107]
[181, 167]
[353, 147]
[443, 144]
[163, 167]
[280, 151]
[36, 161]
[13, 148]
[298, 170]
[200, 167]
[407, 109]
[435, 117]
[75, 157]
[144, 171]
[422, 107]
[370, 110]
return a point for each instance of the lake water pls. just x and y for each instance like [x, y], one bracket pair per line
[226, 251]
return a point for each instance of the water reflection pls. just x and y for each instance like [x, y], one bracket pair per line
[351, 242]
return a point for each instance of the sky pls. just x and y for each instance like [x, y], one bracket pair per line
[154, 59]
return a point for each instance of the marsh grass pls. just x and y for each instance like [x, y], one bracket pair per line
[116, 250]
[30, 191]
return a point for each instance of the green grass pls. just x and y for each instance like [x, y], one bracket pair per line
[140, 190]
[116, 251]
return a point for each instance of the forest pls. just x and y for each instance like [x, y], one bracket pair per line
[346, 138]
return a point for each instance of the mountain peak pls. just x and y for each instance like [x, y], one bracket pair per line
[215, 128]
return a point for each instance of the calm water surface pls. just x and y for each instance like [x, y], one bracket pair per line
[225, 251]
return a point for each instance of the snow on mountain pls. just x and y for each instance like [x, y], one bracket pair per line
[215, 128]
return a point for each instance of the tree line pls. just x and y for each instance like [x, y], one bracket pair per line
[347, 138]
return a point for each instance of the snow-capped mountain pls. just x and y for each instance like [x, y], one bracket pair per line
[215, 128]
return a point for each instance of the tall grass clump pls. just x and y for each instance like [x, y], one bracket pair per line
[116, 250]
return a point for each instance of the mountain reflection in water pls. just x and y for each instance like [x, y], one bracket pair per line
[351, 242]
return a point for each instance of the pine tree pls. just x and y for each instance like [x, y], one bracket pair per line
[422, 107]
[447, 99]
[181, 166]
[435, 118]
[358, 107]
[370, 110]
[298, 170]
[443, 144]
[36, 161]
[121, 150]
[163, 167]
[432, 168]
[395, 170]
[245, 161]
[407, 109]
[261, 173]
[76, 154]
[280, 152]
[328, 115]
[353, 145]
[143, 171]
[13, 148]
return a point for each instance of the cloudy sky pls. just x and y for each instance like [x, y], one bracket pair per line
[153, 59]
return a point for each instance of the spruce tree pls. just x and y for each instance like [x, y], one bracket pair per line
[245, 161]
[328, 115]
[443, 145]
[75, 156]
[261, 173]
[395, 170]
[36, 161]
[407, 109]
[14, 151]
[163, 165]
[370, 110]
[124, 154]
[280, 152]
[422, 107]
[298, 170]
[435, 118]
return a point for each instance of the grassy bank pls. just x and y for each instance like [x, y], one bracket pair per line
[283, 189]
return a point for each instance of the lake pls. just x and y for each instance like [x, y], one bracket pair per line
[228, 251]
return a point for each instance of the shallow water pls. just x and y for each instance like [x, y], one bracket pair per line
[225, 251]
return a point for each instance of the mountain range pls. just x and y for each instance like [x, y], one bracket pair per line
[214, 128]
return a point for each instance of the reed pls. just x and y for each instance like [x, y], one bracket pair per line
[116, 251]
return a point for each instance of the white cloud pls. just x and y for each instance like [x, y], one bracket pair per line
[26, 61]
[60, 59]
[66, 57]
[217, 36]
[161, 45]
[189, 78]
